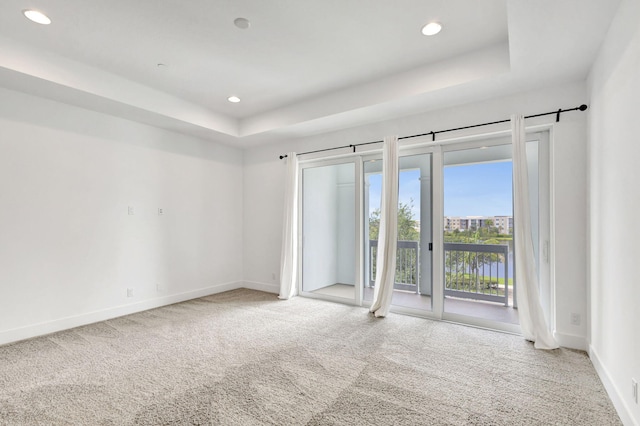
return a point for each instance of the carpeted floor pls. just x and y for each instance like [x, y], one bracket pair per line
[245, 358]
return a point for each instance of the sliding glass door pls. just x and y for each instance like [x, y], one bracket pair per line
[413, 283]
[478, 279]
[478, 233]
[329, 253]
[538, 166]
[455, 248]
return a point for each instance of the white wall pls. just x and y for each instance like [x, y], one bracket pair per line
[264, 182]
[68, 248]
[614, 152]
[568, 187]
[320, 227]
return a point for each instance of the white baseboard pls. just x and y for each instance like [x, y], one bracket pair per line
[614, 393]
[66, 323]
[269, 288]
[571, 341]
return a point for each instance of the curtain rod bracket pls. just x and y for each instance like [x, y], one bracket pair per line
[433, 136]
[558, 115]
[353, 147]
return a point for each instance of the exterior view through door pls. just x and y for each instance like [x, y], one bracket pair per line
[478, 234]
[413, 284]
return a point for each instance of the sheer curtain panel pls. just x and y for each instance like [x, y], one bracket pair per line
[289, 254]
[532, 321]
[388, 230]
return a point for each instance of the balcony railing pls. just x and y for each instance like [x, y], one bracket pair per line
[477, 271]
[472, 271]
[407, 265]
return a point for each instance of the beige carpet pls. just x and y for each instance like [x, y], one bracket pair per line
[245, 358]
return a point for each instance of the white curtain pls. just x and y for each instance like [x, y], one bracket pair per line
[289, 254]
[532, 321]
[388, 230]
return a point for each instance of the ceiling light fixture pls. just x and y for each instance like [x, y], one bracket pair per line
[37, 17]
[233, 99]
[242, 23]
[432, 28]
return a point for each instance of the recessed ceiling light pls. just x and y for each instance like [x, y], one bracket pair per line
[37, 17]
[431, 28]
[233, 99]
[242, 23]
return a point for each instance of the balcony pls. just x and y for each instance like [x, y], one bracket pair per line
[477, 271]
[478, 281]
[407, 265]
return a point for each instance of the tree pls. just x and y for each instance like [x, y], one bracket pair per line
[463, 267]
[407, 225]
[407, 231]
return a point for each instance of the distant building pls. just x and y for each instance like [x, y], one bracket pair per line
[465, 223]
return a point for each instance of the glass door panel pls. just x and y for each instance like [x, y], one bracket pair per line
[478, 234]
[371, 212]
[538, 172]
[413, 284]
[328, 231]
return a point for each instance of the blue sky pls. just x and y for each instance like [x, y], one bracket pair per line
[478, 189]
[470, 190]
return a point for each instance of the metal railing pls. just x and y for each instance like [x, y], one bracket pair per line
[472, 271]
[477, 271]
[407, 265]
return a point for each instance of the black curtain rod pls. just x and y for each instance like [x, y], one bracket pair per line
[582, 107]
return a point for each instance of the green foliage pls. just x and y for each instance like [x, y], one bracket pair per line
[484, 235]
[462, 268]
[407, 225]
[474, 283]
[408, 230]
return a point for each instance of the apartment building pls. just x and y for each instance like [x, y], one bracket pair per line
[465, 223]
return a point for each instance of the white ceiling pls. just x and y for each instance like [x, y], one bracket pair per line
[303, 66]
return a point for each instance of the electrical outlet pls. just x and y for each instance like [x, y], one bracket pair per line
[634, 390]
[130, 210]
[160, 211]
[575, 319]
[130, 292]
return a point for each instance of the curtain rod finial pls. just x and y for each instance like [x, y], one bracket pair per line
[583, 107]
[283, 156]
